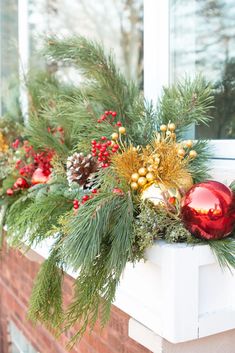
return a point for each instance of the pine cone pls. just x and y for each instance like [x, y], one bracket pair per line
[81, 169]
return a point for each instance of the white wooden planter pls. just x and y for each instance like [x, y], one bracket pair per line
[180, 292]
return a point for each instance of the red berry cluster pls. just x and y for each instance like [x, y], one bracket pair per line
[85, 198]
[29, 162]
[103, 149]
[109, 116]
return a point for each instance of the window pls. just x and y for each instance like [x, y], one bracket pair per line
[167, 57]
[18, 342]
[8, 49]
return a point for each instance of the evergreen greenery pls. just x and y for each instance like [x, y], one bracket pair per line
[114, 226]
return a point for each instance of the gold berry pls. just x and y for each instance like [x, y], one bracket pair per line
[163, 128]
[181, 152]
[192, 154]
[135, 177]
[142, 181]
[115, 136]
[150, 176]
[134, 185]
[189, 143]
[142, 171]
[122, 130]
[150, 168]
[157, 160]
[171, 127]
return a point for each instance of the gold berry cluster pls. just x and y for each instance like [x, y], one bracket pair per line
[141, 178]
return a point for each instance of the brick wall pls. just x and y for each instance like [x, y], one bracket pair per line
[17, 273]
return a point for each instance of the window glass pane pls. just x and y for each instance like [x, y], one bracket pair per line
[202, 40]
[116, 23]
[8, 49]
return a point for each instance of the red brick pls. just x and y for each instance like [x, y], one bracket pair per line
[17, 274]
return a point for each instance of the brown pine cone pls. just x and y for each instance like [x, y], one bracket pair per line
[81, 169]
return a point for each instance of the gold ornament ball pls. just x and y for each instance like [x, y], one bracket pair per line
[181, 152]
[171, 127]
[189, 143]
[135, 177]
[150, 176]
[134, 185]
[142, 171]
[163, 128]
[122, 130]
[142, 181]
[114, 136]
[192, 154]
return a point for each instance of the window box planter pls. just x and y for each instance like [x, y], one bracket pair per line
[180, 293]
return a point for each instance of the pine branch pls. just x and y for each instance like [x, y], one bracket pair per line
[43, 206]
[199, 167]
[98, 242]
[105, 87]
[185, 103]
[224, 250]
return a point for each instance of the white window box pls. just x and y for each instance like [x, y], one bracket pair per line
[180, 292]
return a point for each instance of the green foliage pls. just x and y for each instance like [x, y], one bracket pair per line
[224, 251]
[98, 243]
[46, 299]
[32, 215]
[185, 103]
[199, 167]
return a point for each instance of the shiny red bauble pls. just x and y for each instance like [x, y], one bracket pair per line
[39, 177]
[208, 210]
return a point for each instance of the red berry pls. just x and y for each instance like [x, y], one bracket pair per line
[114, 150]
[85, 198]
[103, 117]
[93, 150]
[103, 138]
[104, 159]
[103, 149]
[94, 191]
[110, 112]
[93, 154]
[106, 154]
[98, 121]
[119, 123]
[98, 146]
[100, 154]
[93, 142]
[76, 206]
[109, 142]
[116, 146]
[100, 159]
[10, 192]
[106, 112]
[118, 191]
[114, 114]
[106, 165]
[60, 129]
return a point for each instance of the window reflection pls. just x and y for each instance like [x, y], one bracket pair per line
[118, 24]
[203, 40]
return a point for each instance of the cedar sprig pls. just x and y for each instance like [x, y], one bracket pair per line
[46, 299]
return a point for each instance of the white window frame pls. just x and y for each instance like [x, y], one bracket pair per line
[157, 62]
[156, 59]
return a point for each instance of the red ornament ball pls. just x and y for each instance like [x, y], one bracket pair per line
[208, 210]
